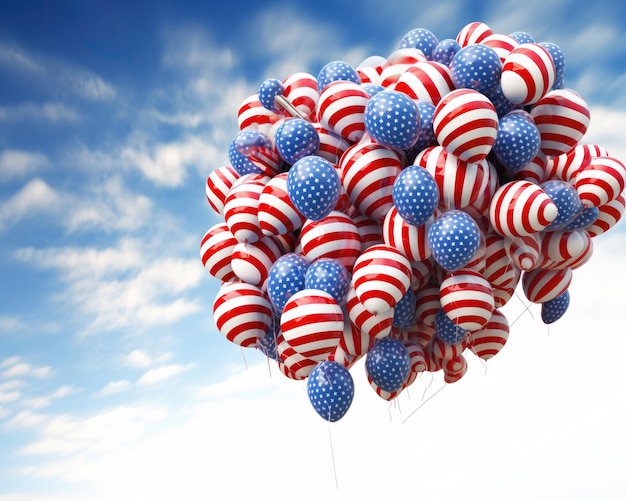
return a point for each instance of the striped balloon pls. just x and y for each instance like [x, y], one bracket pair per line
[426, 81]
[418, 359]
[370, 69]
[528, 74]
[368, 172]
[420, 333]
[542, 285]
[502, 294]
[562, 117]
[502, 44]
[536, 171]
[473, 33]
[440, 351]
[565, 246]
[293, 364]
[253, 115]
[467, 299]
[218, 184]
[251, 262]
[466, 124]
[410, 240]
[499, 270]
[300, 89]
[488, 341]
[422, 272]
[454, 369]
[460, 183]
[354, 341]
[341, 109]
[276, 212]
[428, 304]
[521, 208]
[600, 181]
[242, 313]
[381, 276]
[312, 323]
[566, 165]
[241, 210]
[332, 147]
[336, 236]
[608, 216]
[370, 231]
[523, 251]
[216, 250]
[375, 326]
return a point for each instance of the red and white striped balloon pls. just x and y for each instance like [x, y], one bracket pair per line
[276, 212]
[253, 115]
[375, 326]
[562, 117]
[335, 236]
[567, 165]
[370, 69]
[420, 333]
[460, 183]
[608, 216]
[565, 246]
[410, 240]
[427, 81]
[467, 299]
[370, 231]
[422, 273]
[216, 250]
[368, 172]
[521, 208]
[341, 109]
[473, 33]
[428, 304]
[542, 285]
[300, 89]
[332, 146]
[381, 276]
[600, 181]
[354, 341]
[487, 342]
[241, 209]
[523, 251]
[418, 359]
[499, 270]
[218, 184]
[528, 74]
[291, 363]
[251, 262]
[242, 313]
[536, 171]
[465, 123]
[440, 351]
[502, 44]
[454, 369]
[312, 323]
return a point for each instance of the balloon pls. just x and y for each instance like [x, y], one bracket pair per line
[392, 119]
[445, 50]
[300, 89]
[253, 152]
[328, 275]
[241, 209]
[454, 369]
[453, 238]
[488, 341]
[216, 250]
[447, 330]
[420, 38]
[388, 364]
[542, 285]
[608, 216]
[330, 389]
[341, 109]
[374, 325]
[601, 181]
[501, 44]
[296, 138]
[428, 304]
[528, 74]
[567, 202]
[354, 341]
[426, 82]
[410, 240]
[286, 277]
[276, 212]
[467, 299]
[251, 262]
[477, 67]
[555, 308]
[415, 195]
[218, 184]
[473, 33]
[336, 71]
[404, 311]
[253, 115]
[517, 141]
[268, 90]
[313, 186]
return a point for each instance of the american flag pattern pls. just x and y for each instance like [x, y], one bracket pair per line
[392, 119]
[426, 81]
[466, 124]
[368, 172]
[300, 89]
[241, 210]
[521, 208]
[330, 389]
[216, 250]
[536, 171]
[293, 364]
[601, 181]
[488, 341]
[422, 272]
[410, 240]
[336, 71]
[541, 285]
[566, 199]
[388, 364]
[473, 33]
[608, 216]
[528, 74]
[254, 152]
[385, 395]
[422, 39]
[251, 262]
[276, 212]
[567, 249]
[441, 350]
[341, 109]
[562, 117]
[523, 251]
[375, 326]
[467, 299]
[242, 313]
[218, 184]
[420, 333]
[381, 276]
[312, 323]
[454, 237]
[417, 358]
[499, 270]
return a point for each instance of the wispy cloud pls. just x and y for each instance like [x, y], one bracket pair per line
[114, 387]
[18, 164]
[43, 401]
[53, 112]
[15, 367]
[163, 373]
[35, 197]
[140, 359]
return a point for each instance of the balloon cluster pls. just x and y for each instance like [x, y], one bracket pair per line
[390, 210]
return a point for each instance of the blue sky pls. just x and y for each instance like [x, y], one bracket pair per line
[115, 384]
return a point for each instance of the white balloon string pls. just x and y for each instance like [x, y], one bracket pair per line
[423, 403]
[526, 310]
[332, 454]
[243, 356]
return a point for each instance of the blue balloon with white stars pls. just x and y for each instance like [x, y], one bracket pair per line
[313, 186]
[445, 51]
[328, 275]
[336, 71]
[286, 277]
[392, 119]
[558, 58]
[477, 67]
[267, 344]
[372, 89]
[246, 143]
[517, 141]
[502, 105]
[296, 138]
[522, 37]
[453, 238]
[426, 137]
[404, 313]
[567, 201]
[268, 90]
[415, 195]
[587, 217]
[330, 388]
[388, 364]
[554, 309]
[447, 330]
[420, 38]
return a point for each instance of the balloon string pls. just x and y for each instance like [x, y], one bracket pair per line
[332, 453]
[423, 404]
[269, 367]
[526, 310]
[243, 356]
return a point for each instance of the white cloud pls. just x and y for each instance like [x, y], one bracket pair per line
[53, 112]
[140, 359]
[114, 387]
[36, 197]
[25, 419]
[7, 397]
[163, 373]
[18, 164]
[15, 367]
[16, 58]
[43, 401]
[9, 323]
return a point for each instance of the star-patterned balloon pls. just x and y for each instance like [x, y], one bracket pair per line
[268, 90]
[476, 67]
[330, 388]
[553, 310]
[584, 219]
[296, 138]
[517, 141]
[558, 58]
[447, 330]
[415, 195]
[313, 186]
[334, 71]
[566, 199]
[388, 364]
[422, 39]
[392, 119]
[328, 275]
[522, 37]
[253, 152]
[285, 278]
[454, 238]
[445, 51]
[404, 312]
